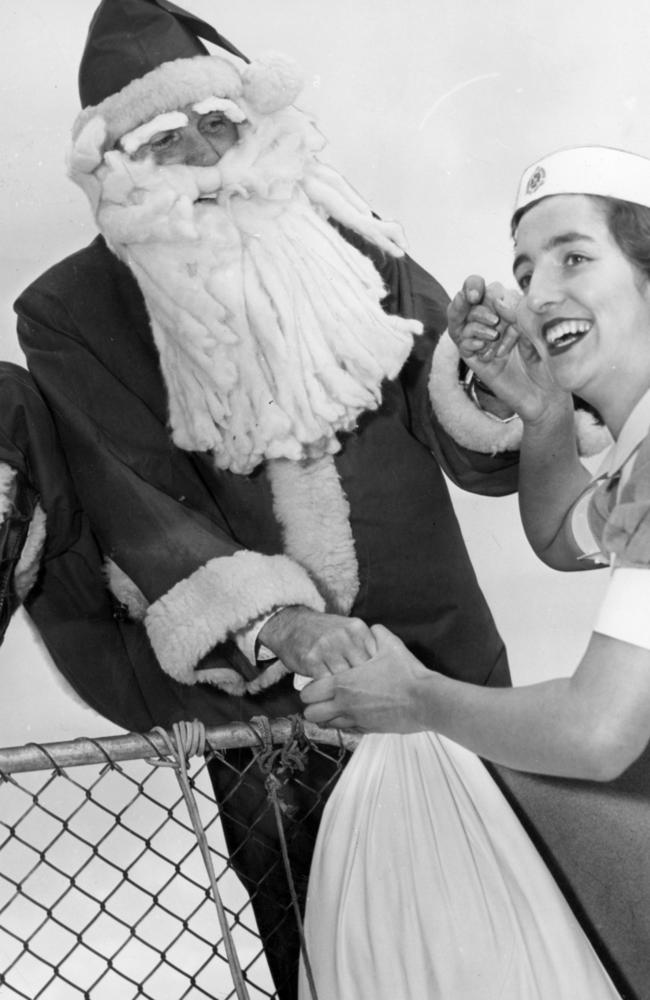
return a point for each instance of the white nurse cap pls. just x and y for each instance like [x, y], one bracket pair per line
[599, 170]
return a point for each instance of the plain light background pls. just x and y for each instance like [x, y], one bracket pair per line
[432, 109]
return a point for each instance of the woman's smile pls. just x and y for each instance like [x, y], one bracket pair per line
[562, 334]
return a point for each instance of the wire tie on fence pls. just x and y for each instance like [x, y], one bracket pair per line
[56, 767]
[288, 758]
[110, 764]
[187, 740]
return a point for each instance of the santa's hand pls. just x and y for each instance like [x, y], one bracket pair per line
[491, 337]
[378, 696]
[482, 324]
[313, 643]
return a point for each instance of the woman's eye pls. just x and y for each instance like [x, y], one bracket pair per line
[572, 259]
[523, 280]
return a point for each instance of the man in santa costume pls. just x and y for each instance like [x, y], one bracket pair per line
[239, 371]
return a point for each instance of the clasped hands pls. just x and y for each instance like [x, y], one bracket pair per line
[364, 678]
[491, 327]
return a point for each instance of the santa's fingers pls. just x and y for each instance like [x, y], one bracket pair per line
[474, 288]
[321, 690]
[475, 337]
[341, 661]
[469, 296]
[484, 315]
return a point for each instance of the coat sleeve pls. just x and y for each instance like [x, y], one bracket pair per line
[195, 584]
[473, 461]
[57, 572]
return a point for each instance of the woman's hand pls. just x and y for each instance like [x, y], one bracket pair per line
[378, 696]
[487, 324]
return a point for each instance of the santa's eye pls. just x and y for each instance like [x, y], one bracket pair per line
[162, 142]
[213, 122]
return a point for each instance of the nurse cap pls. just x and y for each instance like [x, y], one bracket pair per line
[594, 170]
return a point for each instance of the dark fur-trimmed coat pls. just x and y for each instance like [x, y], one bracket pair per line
[198, 553]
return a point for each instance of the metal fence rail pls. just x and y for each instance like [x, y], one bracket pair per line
[103, 884]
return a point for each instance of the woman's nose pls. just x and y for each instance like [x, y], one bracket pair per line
[544, 290]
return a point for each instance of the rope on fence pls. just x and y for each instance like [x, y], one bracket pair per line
[135, 746]
[278, 765]
[188, 740]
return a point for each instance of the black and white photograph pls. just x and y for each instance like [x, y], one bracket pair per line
[324, 518]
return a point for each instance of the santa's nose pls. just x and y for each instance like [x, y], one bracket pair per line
[198, 150]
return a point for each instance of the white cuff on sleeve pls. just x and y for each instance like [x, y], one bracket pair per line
[625, 611]
[217, 601]
[248, 644]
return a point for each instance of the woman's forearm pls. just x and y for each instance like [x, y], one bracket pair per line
[590, 725]
[540, 728]
[551, 477]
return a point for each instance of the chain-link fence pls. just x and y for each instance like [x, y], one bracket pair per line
[114, 874]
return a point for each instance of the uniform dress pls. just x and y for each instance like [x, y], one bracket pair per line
[161, 515]
[425, 882]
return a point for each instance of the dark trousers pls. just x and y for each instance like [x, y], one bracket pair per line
[251, 831]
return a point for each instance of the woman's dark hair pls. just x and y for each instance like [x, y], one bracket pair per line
[628, 223]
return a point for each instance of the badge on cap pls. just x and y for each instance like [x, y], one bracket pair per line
[536, 180]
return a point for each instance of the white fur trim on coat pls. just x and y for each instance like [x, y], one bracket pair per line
[310, 504]
[218, 599]
[29, 561]
[125, 590]
[7, 476]
[473, 428]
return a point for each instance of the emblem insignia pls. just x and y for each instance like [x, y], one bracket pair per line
[535, 180]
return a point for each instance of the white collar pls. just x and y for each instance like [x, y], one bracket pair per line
[633, 432]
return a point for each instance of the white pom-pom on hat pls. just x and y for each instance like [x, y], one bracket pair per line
[271, 83]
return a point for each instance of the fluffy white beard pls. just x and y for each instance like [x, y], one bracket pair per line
[268, 323]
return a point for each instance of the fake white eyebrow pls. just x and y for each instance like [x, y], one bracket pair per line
[229, 108]
[131, 141]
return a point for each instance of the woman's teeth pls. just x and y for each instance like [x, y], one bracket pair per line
[566, 332]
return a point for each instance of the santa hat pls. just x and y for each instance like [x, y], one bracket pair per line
[144, 58]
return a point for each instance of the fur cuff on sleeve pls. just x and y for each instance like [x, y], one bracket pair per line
[473, 428]
[220, 598]
[29, 561]
[7, 476]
